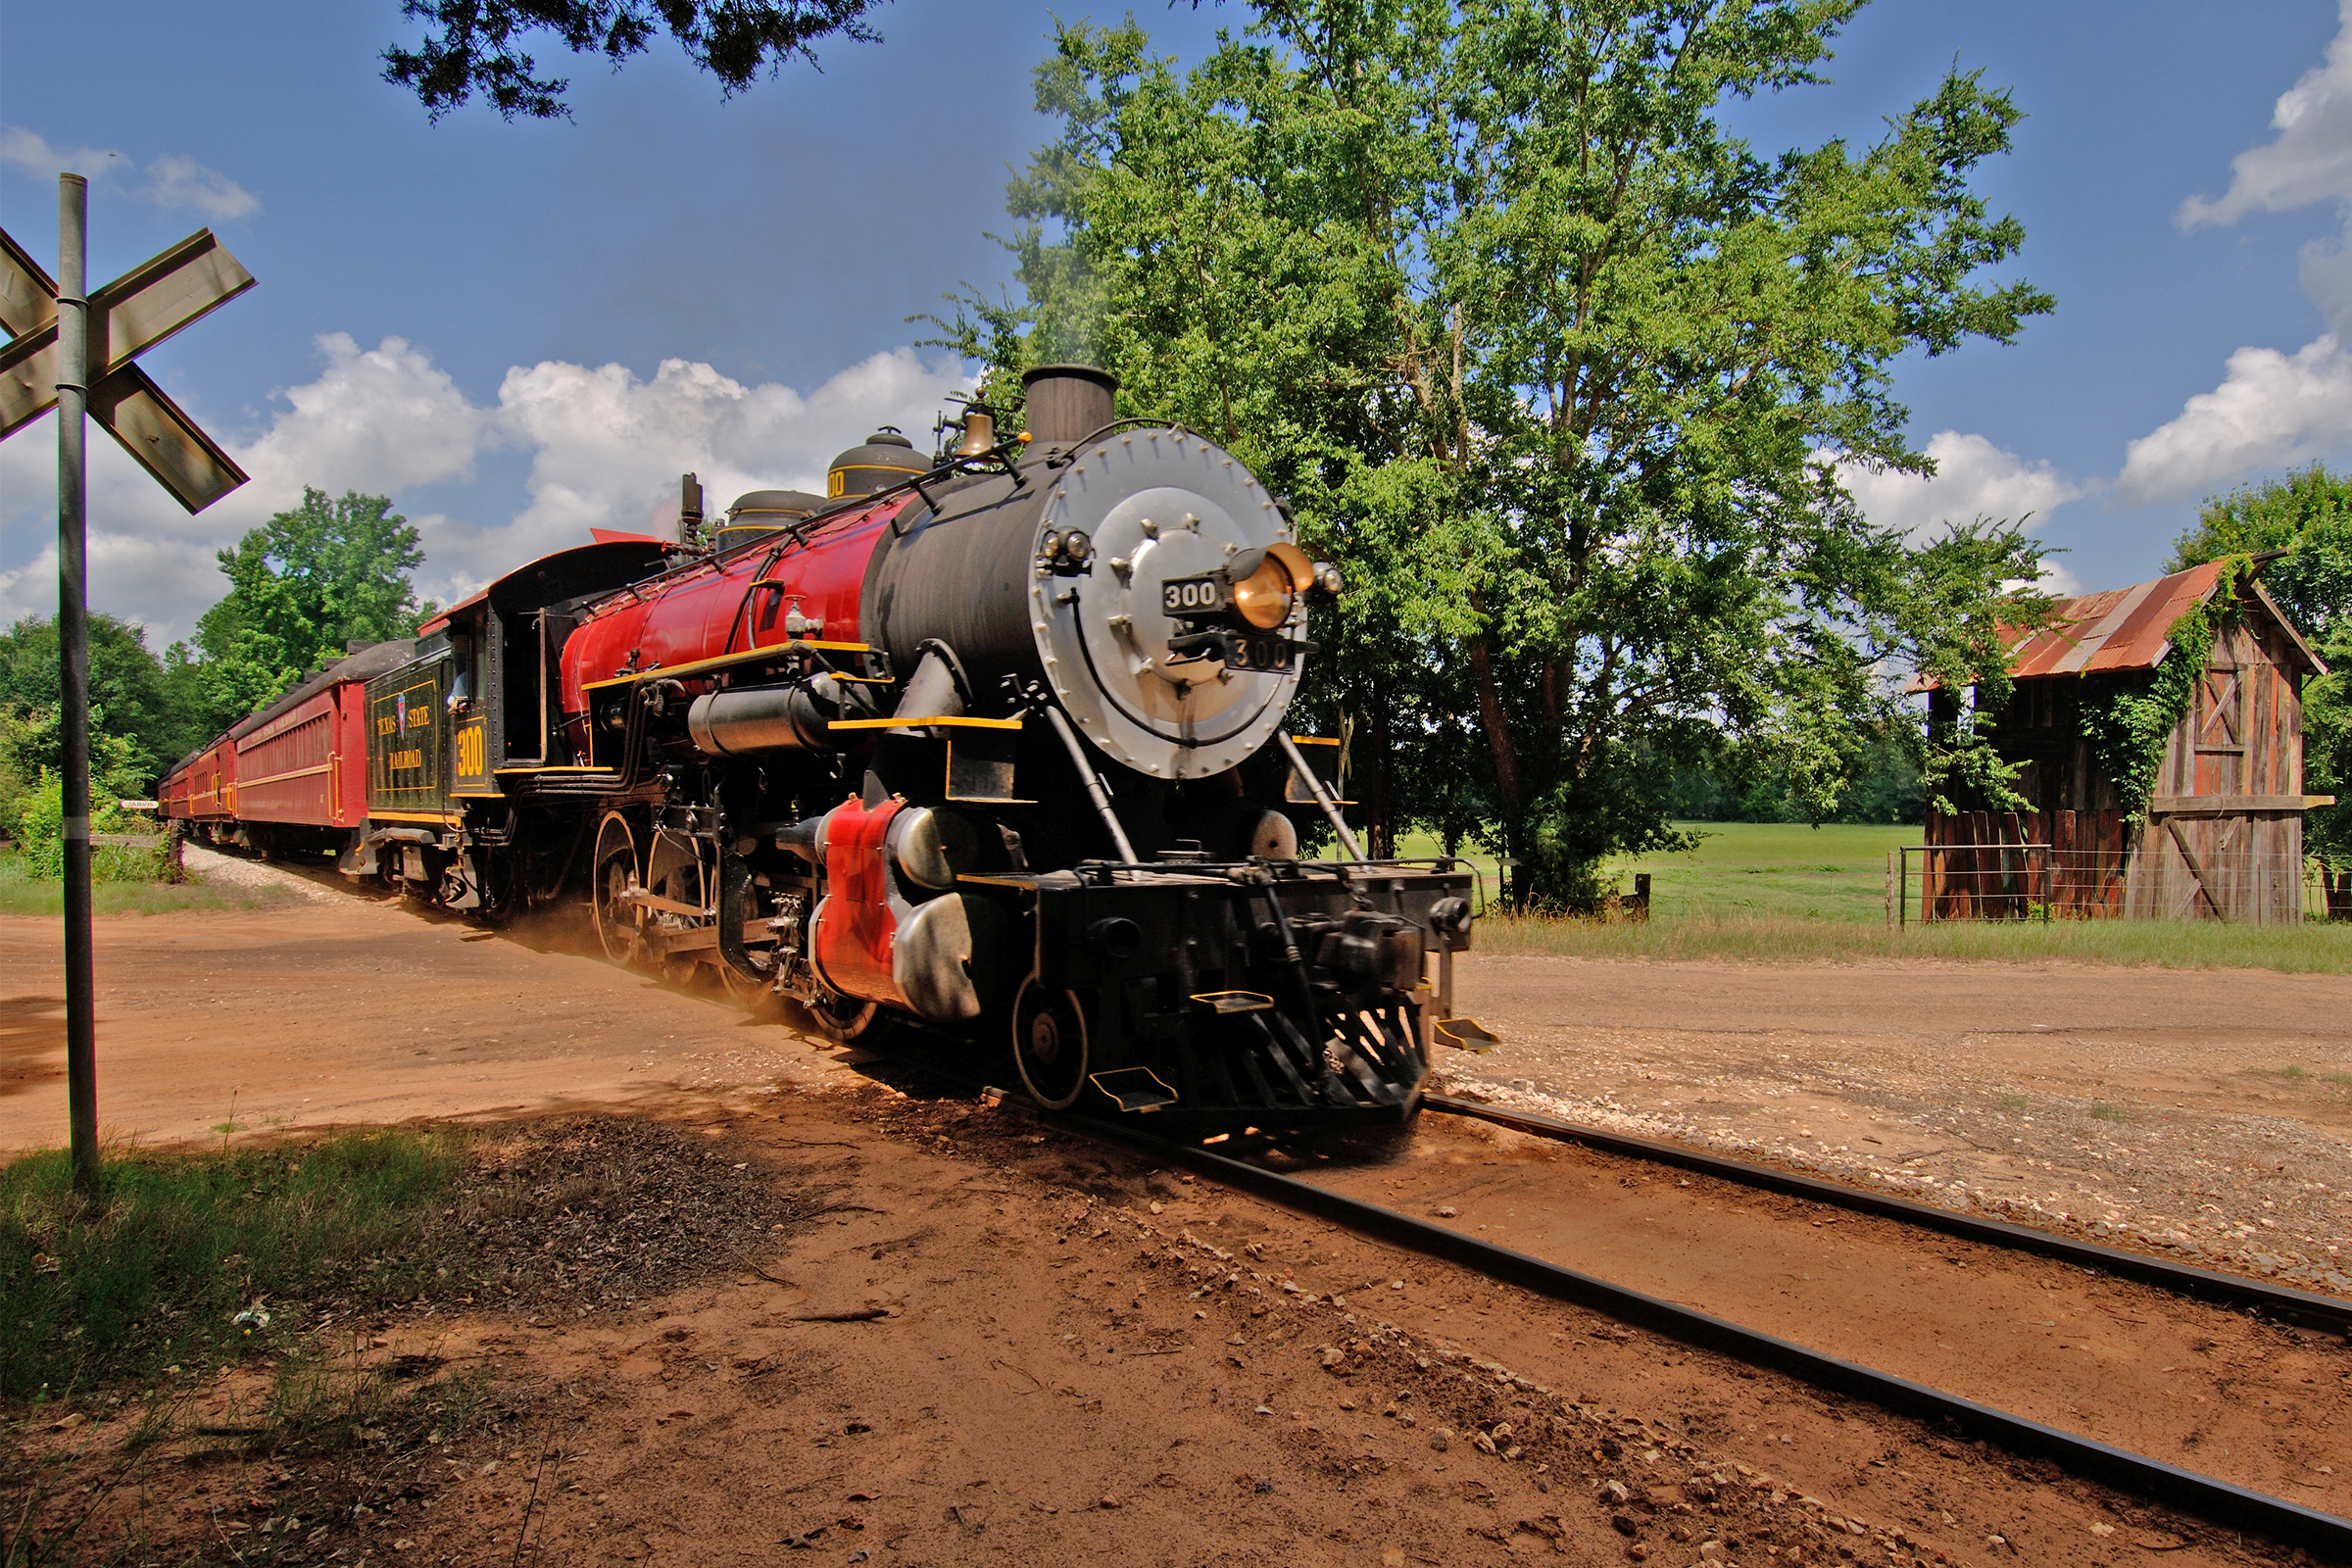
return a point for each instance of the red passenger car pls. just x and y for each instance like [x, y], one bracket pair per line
[294, 775]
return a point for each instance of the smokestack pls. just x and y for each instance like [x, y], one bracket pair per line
[1067, 403]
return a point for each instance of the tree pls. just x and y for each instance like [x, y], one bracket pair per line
[2308, 514]
[302, 585]
[132, 700]
[1561, 372]
[476, 45]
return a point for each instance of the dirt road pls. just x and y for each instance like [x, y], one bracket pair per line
[354, 1009]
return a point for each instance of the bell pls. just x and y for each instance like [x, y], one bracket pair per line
[979, 432]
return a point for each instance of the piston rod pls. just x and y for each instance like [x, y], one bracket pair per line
[1095, 790]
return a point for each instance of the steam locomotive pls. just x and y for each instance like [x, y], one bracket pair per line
[990, 742]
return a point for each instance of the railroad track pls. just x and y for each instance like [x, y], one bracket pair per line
[2305, 1308]
[2188, 1492]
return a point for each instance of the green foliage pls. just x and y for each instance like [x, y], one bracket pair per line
[1732, 782]
[138, 725]
[38, 827]
[2327, 768]
[19, 772]
[1561, 373]
[155, 1269]
[475, 45]
[300, 586]
[143, 716]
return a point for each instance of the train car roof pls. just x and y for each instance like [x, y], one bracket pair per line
[366, 664]
[606, 566]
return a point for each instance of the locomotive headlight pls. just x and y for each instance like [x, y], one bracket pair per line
[1263, 589]
[1263, 598]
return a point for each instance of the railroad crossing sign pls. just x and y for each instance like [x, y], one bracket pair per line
[135, 312]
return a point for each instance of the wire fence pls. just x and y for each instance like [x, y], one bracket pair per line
[1997, 881]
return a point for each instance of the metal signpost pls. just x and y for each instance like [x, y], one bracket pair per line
[71, 351]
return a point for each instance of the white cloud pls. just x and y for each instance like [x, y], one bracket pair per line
[2058, 581]
[2326, 275]
[606, 449]
[2271, 411]
[378, 421]
[609, 448]
[176, 182]
[30, 151]
[174, 179]
[1972, 478]
[2311, 158]
[150, 562]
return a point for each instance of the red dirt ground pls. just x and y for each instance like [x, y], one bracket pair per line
[1083, 1360]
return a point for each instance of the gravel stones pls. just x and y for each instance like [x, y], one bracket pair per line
[598, 1210]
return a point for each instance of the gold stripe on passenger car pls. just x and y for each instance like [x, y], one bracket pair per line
[920, 723]
[772, 651]
[299, 773]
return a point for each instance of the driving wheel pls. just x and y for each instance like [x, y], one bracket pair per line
[614, 874]
[757, 997]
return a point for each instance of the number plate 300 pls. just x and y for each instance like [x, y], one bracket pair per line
[1208, 595]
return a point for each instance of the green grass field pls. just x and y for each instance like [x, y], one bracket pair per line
[1836, 872]
[20, 894]
[1833, 872]
[1777, 891]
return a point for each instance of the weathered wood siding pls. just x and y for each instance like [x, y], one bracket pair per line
[2242, 738]
[2088, 855]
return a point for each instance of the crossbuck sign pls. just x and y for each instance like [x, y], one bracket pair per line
[135, 312]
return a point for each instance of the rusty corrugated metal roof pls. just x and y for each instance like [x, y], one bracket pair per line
[2126, 628]
[2123, 628]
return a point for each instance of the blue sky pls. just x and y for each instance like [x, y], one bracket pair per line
[522, 330]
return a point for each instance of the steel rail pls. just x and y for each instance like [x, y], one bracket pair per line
[2306, 1307]
[2186, 1491]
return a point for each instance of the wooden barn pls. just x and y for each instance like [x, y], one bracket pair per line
[2223, 832]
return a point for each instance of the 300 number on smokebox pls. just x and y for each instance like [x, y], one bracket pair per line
[1192, 596]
